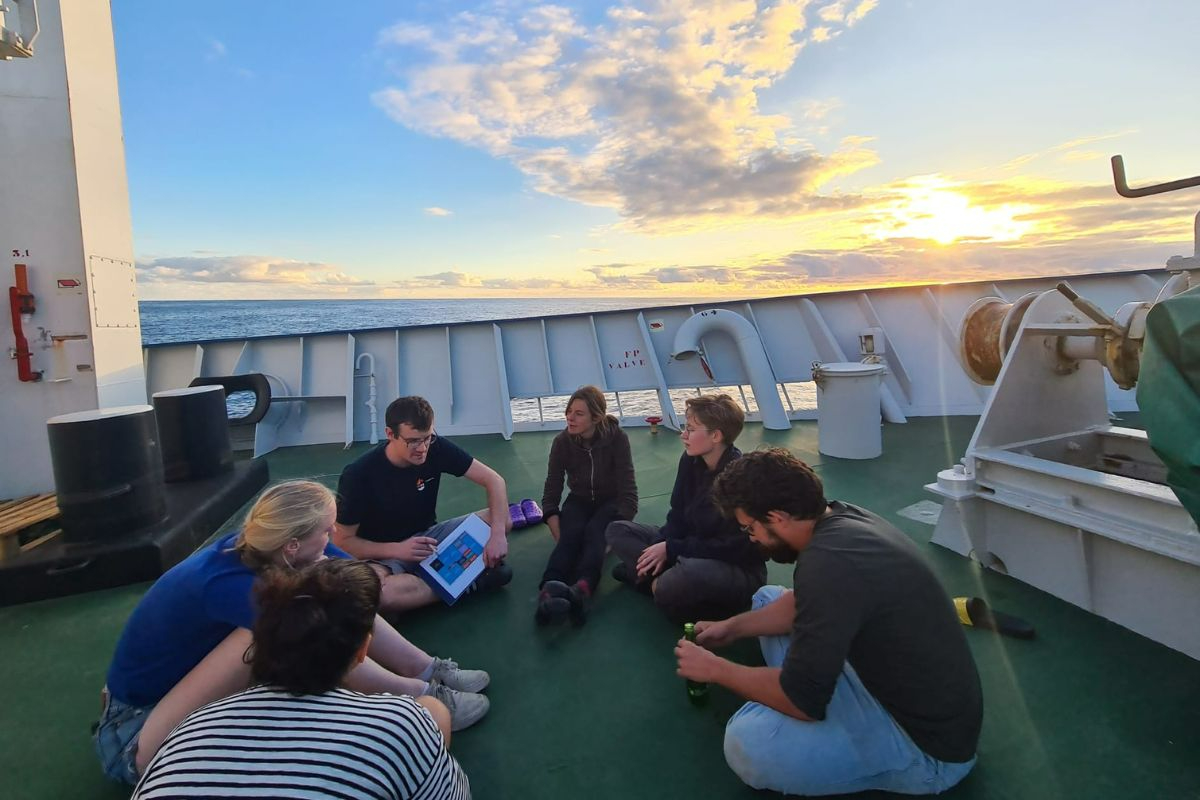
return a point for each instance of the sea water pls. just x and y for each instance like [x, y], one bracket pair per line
[167, 321]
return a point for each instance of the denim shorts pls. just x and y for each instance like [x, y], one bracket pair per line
[439, 531]
[116, 738]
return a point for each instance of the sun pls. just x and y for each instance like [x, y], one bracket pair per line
[931, 208]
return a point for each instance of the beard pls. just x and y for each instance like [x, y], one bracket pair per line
[778, 550]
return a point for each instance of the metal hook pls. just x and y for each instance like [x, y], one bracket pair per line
[1118, 168]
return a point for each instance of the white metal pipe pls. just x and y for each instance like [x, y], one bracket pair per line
[371, 395]
[750, 347]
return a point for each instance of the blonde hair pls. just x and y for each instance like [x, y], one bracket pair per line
[286, 511]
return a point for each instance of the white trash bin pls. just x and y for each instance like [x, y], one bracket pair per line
[848, 422]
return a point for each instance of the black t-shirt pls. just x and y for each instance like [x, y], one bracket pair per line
[390, 503]
[865, 595]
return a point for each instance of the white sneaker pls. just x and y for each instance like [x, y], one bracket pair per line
[447, 673]
[466, 708]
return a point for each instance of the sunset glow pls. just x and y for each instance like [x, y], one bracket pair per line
[934, 210]
[649, 148]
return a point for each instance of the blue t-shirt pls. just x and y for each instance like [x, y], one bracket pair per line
[188, 611]
[390, 503]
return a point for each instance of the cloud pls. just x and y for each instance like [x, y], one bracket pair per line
[653, 110]
[885, 263]
[860, 11]
[216, 50]
[449, 278]
[526, 284]
[1063, 149]
[455, 279]
[435, 211]
[925, 228]
[817, 110]
[1061, 229]
[846, 12]
[1081, 155]
[257, 270]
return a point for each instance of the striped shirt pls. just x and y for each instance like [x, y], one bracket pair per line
[265, 742]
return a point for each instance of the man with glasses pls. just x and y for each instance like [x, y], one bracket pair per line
[869, 683]
[698, 565]
[387, 505]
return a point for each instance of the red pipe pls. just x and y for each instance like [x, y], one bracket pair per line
[20, 301]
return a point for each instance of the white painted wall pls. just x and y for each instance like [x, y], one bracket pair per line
[64, 212]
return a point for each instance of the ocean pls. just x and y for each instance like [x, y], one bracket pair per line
[167, 321]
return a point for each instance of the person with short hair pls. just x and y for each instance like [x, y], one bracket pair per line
[593, 453]
[297, 732]
[387, 505]
[182, 645]
[869, 683]
[698, 565]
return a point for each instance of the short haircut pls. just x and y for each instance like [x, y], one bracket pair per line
[718, 412]
[311, 622]
[414, 410]
[769, 480]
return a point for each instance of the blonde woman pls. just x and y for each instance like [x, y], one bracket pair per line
[183, 645]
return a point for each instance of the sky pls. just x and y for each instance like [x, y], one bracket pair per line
[649, 148]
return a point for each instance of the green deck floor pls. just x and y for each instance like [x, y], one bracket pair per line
[1087, 710]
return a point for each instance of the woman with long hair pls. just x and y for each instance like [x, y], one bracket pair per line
[182, 645]
[297, 732]
[593, 453]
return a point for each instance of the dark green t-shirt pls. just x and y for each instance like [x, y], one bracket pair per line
[865, 595]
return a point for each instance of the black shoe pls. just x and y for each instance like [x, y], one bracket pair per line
[581, 603]
[556, 589]
[551, 609]
[493, 578]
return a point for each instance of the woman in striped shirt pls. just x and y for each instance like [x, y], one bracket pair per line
[182, 647]
[297, 734]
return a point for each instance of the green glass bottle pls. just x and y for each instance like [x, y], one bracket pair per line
[697, 692]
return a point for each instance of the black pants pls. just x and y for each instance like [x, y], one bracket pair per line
[691, 589]
[579, 553]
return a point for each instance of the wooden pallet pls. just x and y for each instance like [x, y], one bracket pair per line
[17, 515]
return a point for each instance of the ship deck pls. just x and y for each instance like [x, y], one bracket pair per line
[1087, 709]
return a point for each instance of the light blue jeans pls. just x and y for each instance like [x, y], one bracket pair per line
[857, 747]
[116, 738]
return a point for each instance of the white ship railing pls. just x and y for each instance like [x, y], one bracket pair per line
[473, 372]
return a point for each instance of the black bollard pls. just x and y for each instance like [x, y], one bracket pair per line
[193, 426]
[107, 471]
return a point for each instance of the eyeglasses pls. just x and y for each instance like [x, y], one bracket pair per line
[688, 430]
[424, 441]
